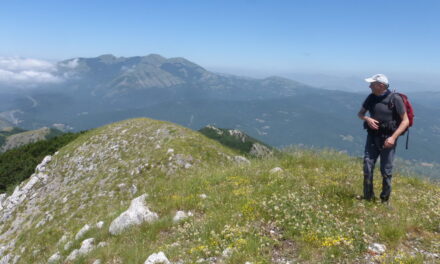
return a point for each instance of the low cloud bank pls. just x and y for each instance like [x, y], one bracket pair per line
[71, 64]
[27, 72]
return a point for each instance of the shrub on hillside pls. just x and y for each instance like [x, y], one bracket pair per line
[242, 142]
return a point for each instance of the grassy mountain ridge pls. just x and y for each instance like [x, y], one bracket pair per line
[305, 212]
[8, 131]
[16, 137]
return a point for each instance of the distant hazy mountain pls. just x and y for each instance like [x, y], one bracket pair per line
[115, 80]
[279, 111]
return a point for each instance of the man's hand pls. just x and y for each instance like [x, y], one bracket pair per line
[389, 142]
[372, 123]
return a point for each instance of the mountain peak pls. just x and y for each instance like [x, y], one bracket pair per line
[185, 62]
[107, 58]
[154, 59]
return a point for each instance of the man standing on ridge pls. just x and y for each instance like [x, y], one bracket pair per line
[387, 120]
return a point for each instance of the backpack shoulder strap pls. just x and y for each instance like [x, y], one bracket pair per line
[391, 97]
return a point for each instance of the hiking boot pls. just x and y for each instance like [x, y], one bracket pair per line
[384, 199]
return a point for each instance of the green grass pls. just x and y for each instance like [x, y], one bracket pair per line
[307, 213]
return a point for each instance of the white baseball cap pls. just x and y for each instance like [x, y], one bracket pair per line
[378, 78]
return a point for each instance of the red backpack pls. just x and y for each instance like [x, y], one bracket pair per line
[409, 109]
[409, 112]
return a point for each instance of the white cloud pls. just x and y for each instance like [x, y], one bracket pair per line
[22, 64]
[72, 64]
[26, 71]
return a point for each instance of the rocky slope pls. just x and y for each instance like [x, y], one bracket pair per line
[101, 171]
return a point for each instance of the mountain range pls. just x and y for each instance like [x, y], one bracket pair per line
[279, 111]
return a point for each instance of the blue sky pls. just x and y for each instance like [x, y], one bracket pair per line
[400, 38]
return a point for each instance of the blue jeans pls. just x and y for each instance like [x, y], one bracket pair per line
[373, 149]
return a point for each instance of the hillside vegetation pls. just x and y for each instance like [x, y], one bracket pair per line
[297, 207]
[238, 140]
[18, 164]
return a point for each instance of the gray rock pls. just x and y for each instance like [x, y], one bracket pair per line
[68, 245]
[54, 258]
[86, 247]
[2, 249]
[100, 224]
[259, 150]
[238, 135]
[136, 214]
[133, 189]
[227, 252]
[157, 258]
[6, 259]
[208, 260]
[9, 259]
[21, 192]
[82, 231]
[275, 170]
[377, 249]
[73, 255]
[180, 215]
[47, 218]
[241, 160]
[183, 161]
[62, 239]
[42, 166]
[218, 131]
[102, 244]
[2, 198]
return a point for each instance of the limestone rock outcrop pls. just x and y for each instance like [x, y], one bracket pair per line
[136, 214]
